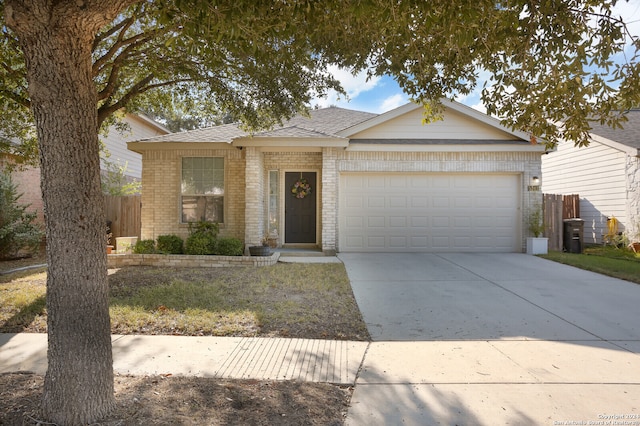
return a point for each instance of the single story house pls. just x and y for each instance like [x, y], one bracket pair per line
[606, 176]
[343, 180]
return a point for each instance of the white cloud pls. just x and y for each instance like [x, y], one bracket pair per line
[393, 102]
[354, 85]
[630, 14]
[479, 107]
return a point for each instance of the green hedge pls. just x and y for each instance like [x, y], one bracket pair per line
[229, 247]
[170, 244]
[145, 247]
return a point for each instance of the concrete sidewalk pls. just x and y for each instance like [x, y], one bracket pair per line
[516, 382]
[480, 340]
[310, 360]
[413, 383]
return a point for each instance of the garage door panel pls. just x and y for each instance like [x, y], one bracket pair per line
[419, 242]
[375, 182]
[484, 202]
[397, 242]
[440, 222]
[397, 202]
[429, 212]
[376, 242]
[375, 201]
[419, 222]
[354, 202]
[355, 222]
[376, 222]
[398, 222]
[419, 202]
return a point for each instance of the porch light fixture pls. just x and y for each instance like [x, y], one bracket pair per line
[534, 185]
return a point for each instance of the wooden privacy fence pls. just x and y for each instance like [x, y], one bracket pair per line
[124, 214]
[556, 208]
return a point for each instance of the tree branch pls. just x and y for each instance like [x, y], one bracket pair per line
[97, 65]
[103, 36]
[139, 88]
[20, 100]
[112, 82]
[130, 43]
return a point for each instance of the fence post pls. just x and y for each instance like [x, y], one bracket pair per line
[552, 208]
[124, 212]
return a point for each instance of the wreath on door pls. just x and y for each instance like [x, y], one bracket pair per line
[301, 188]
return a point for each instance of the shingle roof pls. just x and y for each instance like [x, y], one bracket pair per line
[629, 135]
[324, 122]
[293, 132]
[330, 120]
[223, 133]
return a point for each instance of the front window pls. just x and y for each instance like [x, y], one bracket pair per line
[202, 189]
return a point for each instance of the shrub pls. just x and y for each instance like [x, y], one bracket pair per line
[170, 244]
[17, 230]
[229, 247]
[210, 229]
[200, 244]
[202, 238]
[145, 247]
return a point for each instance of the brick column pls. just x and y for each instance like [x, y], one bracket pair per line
[254, 196]
[329, 200]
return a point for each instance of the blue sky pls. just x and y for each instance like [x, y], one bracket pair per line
[382, 94]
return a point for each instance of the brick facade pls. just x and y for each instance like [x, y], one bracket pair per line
[161, 208]
[247, 184]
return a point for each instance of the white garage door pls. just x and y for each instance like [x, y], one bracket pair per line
[429, 212]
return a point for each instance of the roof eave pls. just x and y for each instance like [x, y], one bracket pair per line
[142, 146]
[295, 142]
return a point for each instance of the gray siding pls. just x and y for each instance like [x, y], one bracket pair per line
[597, 174]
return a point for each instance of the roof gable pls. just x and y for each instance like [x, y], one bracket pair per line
[626, 139]
[459, 123]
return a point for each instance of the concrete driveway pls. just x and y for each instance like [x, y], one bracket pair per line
[468, 338]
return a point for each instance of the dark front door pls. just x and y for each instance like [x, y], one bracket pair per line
[299, 209]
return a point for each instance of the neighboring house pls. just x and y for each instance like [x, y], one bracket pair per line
[605, 174]
[378, 182]
[28, 178]
[115, 142]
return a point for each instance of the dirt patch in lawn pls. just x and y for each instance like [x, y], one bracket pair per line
[312, 301]
[159, 400]
[284, 300]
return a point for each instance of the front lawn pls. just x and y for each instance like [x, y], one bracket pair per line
[614, 262]
[284, 300]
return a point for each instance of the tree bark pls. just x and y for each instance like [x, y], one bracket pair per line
[56, 38]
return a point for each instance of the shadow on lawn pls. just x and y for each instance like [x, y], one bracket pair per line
[20, 321]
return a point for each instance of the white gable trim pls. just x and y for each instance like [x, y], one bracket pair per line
[634, 152]
[150, 122]
[447, 148]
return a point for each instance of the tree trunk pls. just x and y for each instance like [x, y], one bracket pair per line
[56, 39]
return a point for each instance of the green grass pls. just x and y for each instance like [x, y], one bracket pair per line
[614, 262]
[293, 300]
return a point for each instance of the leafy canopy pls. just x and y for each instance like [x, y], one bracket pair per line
[551, 61]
